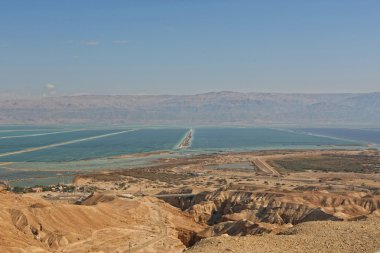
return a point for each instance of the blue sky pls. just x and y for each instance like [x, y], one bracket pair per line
[187, 47]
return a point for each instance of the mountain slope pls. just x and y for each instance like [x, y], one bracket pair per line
[208, 108]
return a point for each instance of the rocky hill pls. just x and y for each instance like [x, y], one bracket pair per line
[312, 237]
[209, 108]
[102, 224]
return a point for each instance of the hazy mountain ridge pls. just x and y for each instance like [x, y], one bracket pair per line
[207, 108]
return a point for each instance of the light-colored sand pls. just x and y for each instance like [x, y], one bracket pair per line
[310, 237]
[105, 224]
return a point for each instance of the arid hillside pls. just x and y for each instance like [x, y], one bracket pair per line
[101, 224]
[310, 237]
[209, 108]
[222, 202]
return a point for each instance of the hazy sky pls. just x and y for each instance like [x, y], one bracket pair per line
[189, 46]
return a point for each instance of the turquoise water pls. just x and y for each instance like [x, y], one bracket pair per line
[95, 148]
[258, 138]
[138, 141]
[38, 170]
[6, 134]
[16, 144]
[371, 136]
[15, 174]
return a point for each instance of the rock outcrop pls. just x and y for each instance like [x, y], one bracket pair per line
[102, 224]
[3, 186]
[242, 212]
[234, 228]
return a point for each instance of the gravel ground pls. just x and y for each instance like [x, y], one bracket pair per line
[327, 236]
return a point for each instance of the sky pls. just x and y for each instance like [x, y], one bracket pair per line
[71, 47]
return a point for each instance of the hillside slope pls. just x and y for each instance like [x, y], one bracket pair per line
[208, 108]
[312, 237]
[104, 224]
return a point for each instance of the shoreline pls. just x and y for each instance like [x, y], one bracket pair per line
[186, 141]
[179, 189]
[160, 161]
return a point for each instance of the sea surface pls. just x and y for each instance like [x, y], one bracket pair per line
[371, 136]
[260, 138]
[32, 155]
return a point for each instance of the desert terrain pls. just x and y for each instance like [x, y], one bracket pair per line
[216, 108]
[263, 201]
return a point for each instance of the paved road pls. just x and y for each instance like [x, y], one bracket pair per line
[265, 167]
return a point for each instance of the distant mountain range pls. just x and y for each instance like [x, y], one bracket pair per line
[215, 108]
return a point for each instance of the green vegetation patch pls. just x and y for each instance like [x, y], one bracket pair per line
[360, 164]
[150, 174]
